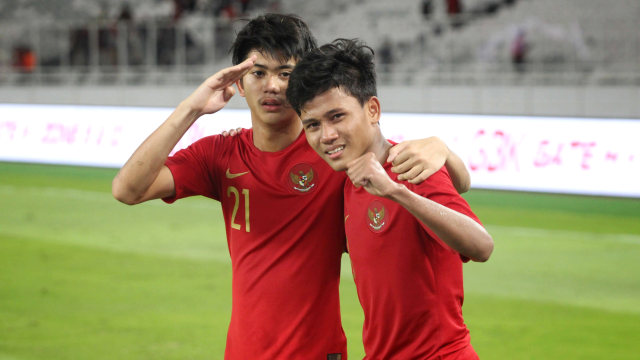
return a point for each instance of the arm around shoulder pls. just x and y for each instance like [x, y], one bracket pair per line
[416, 160]
[458, 172]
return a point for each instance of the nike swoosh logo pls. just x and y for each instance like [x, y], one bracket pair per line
[231, 176]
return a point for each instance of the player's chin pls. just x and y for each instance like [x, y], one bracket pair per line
[336, 164]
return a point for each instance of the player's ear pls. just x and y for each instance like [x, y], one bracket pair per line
[240, 87]
[372, 109]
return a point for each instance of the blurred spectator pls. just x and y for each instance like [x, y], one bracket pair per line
[491, 7]
[274, 6]
[134, 36]
[244, 6]
[79, 48]
[427, 9]
[519, 50]
[385, 53]
[125, 14]
[454, 7]
[24, 59]
[183, 6]
[176, 42]
[166, 33]
[166, 44]
[108, 51]
[454, 10]
[225, 8]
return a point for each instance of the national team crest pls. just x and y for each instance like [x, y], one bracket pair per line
[377, 215]
[302, 178]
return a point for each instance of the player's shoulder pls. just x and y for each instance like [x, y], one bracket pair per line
[442, 175]
[218, 145]
[438, 181]
[240, 139]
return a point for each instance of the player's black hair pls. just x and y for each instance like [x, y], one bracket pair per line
[345, 64]
[279, 36]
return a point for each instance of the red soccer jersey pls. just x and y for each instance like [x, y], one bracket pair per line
[285, 232]
[409, 282]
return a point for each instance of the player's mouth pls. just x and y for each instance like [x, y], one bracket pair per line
[335, 151]
[271, 104]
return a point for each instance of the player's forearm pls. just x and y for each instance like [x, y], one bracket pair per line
[134, 179]
[457, 230]
[458, 172]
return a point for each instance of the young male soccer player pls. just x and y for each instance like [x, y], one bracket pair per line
[407, 242]
[282, 204]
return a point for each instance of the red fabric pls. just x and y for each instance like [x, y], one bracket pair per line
[409, 282]
[466, 353]
[286, 257]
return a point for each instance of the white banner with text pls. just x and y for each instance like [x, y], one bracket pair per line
[548, 154]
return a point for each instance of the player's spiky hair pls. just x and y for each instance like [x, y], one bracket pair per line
[279, 36]
[345, 64]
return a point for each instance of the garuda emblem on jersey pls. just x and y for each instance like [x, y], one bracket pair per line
[376, 213]
[302, 178]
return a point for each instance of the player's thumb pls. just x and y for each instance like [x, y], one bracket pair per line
[393, 152]
[229, 91]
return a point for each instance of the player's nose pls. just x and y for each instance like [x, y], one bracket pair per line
[328, 133]
[273, 84]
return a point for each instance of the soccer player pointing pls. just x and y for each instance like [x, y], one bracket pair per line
[407, 242]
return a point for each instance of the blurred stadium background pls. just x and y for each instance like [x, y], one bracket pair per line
[83, 277]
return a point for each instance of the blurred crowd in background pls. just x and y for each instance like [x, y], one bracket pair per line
[151, 41]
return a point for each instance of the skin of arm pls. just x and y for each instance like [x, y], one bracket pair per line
[457, 230]
[416, 160]
[144, 176]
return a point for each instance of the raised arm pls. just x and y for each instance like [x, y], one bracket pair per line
[416, 160]
[144, 176]
[457, 230]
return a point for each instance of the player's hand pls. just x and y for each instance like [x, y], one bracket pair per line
[232, 132]
[416, 160]
[367, 172]
[216, 91]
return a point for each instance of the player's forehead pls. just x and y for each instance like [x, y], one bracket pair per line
[328, 103]
[271, 59]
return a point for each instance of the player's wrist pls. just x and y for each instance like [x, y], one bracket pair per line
[396, 192]
[189, 111]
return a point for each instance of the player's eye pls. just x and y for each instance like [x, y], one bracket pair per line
[337, 116]
[258, 73]
[285, 74]
[312, 126]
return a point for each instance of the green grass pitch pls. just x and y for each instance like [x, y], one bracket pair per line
[84, 277]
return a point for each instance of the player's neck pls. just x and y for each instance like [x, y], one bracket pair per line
[275, 137]
[380, 147]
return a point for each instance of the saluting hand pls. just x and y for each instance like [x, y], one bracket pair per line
[216, 91]
[366, 171]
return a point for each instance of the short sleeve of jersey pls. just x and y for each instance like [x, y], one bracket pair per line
[439, 188]
[195, 169]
